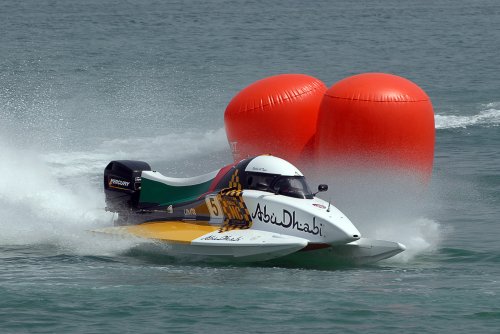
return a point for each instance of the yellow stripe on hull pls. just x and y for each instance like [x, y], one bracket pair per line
[171, 231]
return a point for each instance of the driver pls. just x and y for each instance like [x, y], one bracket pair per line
[260, 182]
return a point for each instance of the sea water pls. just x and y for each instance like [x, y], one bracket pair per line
[86, 82]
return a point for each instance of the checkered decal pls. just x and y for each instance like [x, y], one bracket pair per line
[235, 181]
[236, 215]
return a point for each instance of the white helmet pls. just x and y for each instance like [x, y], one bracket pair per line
[269, 164]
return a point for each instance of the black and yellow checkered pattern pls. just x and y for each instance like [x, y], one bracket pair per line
[236, 214]
[235, 181]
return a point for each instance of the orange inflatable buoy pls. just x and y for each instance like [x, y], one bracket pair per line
[376, 120]
[276, 115]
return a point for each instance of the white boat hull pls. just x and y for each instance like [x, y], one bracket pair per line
[362, 251]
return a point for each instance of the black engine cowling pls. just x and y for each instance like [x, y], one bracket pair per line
[122, 184]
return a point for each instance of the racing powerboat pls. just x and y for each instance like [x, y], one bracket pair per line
[257, 209]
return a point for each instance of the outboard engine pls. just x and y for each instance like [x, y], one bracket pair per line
[122, 184]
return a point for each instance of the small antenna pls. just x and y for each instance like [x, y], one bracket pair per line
[329, 203]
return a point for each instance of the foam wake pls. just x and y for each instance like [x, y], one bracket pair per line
[489, 116]
[38, 208]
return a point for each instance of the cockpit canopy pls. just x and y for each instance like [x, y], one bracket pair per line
[268, 173]
[292, 186]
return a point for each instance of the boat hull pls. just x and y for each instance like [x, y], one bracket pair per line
[360, 252]
[202, 242]
[205, 242]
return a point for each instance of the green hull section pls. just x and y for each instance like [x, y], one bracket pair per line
[164, 194]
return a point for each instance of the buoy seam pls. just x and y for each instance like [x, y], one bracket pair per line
[315, 86]
[380, 101]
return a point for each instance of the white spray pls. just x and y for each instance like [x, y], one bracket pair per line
[385, 205]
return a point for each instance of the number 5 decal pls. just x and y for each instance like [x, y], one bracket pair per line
[214, 206]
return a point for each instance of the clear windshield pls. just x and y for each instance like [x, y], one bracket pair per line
[260, 181]
[293, 186]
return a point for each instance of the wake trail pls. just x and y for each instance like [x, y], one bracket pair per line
[488, 116]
